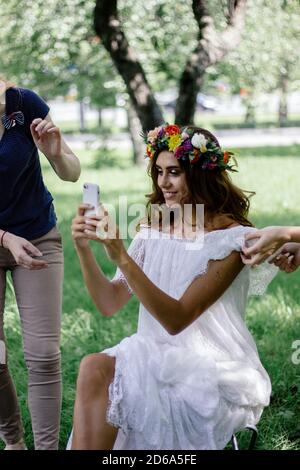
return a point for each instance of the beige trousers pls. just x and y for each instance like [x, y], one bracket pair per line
[39, 298]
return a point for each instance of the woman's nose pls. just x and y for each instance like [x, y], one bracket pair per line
[164, 182]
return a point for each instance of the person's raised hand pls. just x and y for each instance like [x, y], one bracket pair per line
[288, 257]
[47, 137]
[261, 244]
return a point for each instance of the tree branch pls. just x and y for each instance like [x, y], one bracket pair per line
[108, 27]
[211, 48]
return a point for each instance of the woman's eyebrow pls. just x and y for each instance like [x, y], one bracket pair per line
[168, 167]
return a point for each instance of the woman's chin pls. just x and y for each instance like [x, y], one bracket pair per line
[171, 202]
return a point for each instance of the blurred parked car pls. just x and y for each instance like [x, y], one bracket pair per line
[204, 103]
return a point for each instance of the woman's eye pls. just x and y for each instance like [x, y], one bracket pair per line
[174, 172]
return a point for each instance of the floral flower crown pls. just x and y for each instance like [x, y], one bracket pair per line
[188, 145]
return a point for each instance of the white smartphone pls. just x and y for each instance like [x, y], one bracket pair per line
[91, 195]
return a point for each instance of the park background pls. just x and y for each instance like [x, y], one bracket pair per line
[110, 69]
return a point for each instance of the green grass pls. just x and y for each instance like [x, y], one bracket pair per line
[274, 319]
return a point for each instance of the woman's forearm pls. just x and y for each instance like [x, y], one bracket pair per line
[66, 165]
[101, 289]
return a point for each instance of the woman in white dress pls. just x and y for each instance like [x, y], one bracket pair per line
[191, 375]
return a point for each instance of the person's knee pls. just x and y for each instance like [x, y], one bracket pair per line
[43, 355]
[96, 371]
[44, 365]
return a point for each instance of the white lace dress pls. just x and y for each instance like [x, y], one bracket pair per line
[195, 389]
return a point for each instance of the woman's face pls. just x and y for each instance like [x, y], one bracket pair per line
[171, 178]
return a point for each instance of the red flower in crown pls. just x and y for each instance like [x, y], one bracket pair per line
[226, 157]
[196, 153]
[172, 129]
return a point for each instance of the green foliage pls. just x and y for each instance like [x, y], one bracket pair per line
[268, 49]
[51, 48]
[162, 51]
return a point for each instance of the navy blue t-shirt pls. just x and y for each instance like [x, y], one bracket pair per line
[26, 207]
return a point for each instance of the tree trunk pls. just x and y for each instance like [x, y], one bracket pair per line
[283, 108]
[82, 127]
[108, 28]
[135, 130]
[211, 48]
[100, 120]
[250, 113]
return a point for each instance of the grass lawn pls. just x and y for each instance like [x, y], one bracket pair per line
[274, 319]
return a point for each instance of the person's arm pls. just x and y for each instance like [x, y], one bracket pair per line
[48, 139]
[175, 315]
[267, 241]
[108, 296]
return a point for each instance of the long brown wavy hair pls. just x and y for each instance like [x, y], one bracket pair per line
[223, 201]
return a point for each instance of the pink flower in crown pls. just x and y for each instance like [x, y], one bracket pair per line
[214, 158]
[211, 166]
[153, 134]
[180, 151]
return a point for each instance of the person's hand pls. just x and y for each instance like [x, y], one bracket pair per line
[23, 252]
[288, 257]
[266, 242]
[47, 137]
[102, 229]
[78, 227]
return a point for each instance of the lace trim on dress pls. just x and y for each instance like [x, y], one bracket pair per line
[114, 412]
[260, 276]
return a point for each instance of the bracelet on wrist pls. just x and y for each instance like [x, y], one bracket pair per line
[2, 237]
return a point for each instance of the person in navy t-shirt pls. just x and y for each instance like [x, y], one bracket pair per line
[31, 249]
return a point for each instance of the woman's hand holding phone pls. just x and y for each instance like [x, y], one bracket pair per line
[102, 229]
[79, 226]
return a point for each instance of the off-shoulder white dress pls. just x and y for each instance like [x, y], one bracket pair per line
[195, 389]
